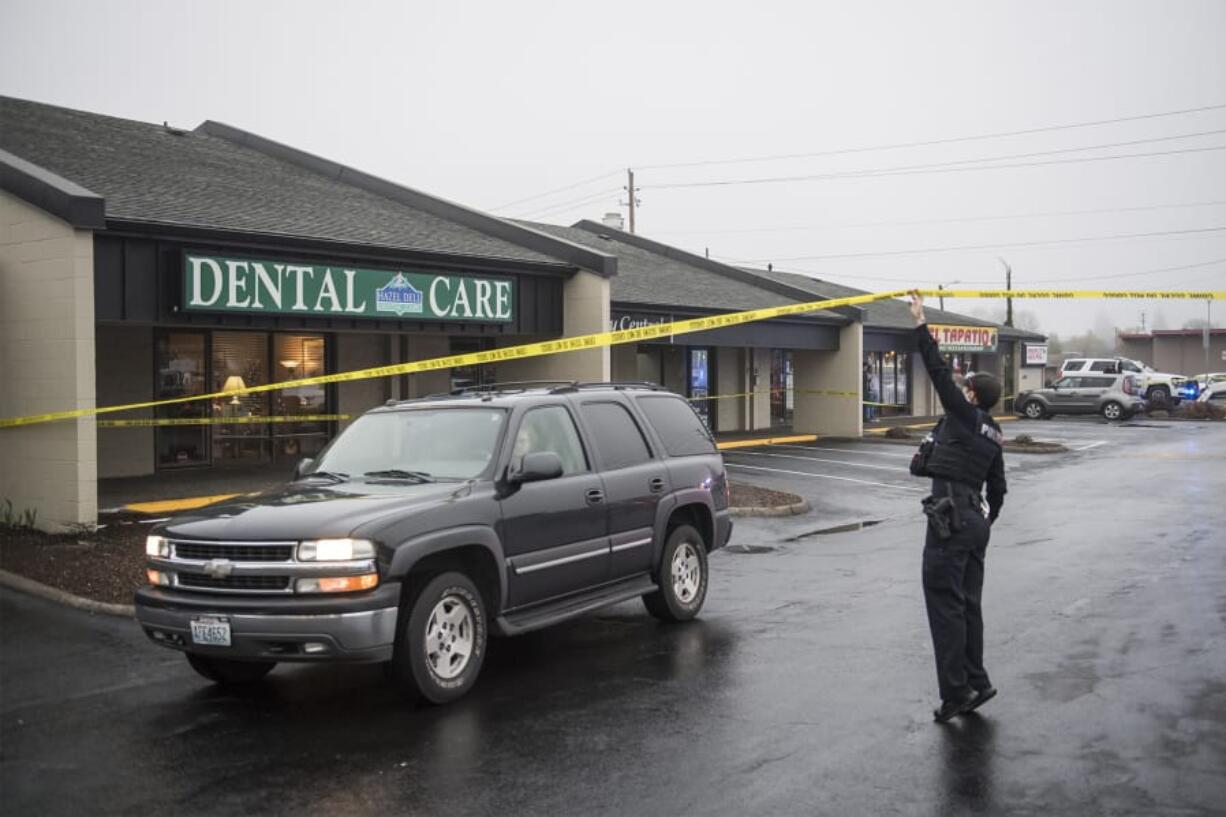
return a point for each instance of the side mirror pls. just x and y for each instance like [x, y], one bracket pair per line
[534, 467]
[302, 467]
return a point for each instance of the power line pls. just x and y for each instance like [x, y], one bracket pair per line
[966, 247]
[557, 190]
[957, 220]
[579, 202]
[929, 142]
[942, 167]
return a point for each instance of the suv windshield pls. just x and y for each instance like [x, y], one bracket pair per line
[417, 445]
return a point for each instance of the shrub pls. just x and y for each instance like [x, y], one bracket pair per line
[16, 520]
[898, 433]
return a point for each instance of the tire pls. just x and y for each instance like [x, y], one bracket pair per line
[1113, 410]
[1033, 410]
[440, 645]
[682, 577]
[1159, 395]
[228, 671]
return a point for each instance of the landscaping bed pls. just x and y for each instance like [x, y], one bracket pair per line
[750, 500]
[106, 565]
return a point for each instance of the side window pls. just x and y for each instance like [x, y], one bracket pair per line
[550, 428]
[679, 428]
[1129, 366]
[616, 436]
[1099, 382]
[1073, 365]
[1066, 383]
[1103, 366]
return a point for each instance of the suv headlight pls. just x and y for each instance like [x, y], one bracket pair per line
[335, 550]
[157, 546]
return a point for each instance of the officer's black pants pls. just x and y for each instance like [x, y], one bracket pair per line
[953, 586]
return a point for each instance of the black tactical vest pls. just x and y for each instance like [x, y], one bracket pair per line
[964, 454]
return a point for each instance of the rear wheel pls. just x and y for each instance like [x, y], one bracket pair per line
[229, 671]
[1033, 410]
[1113, 410]
[441, 643]
[682, 577]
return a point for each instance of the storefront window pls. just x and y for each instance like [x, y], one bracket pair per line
[699, 384]
[887, 384]
[240, 360]
[295, 357]
[465, 377]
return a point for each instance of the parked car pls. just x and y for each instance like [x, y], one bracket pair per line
[1157, 387]
[429, 523]
[1215, 393]
[1198, 383]
[1114, 396]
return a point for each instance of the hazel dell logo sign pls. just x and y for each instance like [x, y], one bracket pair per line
[964, 338]
[216, 284]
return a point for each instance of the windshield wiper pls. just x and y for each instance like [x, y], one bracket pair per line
[335, 476]
[400, 473]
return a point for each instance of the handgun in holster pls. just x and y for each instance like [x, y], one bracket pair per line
[943, 515]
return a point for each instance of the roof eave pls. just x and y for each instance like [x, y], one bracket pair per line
[575, 254]
[52, 193]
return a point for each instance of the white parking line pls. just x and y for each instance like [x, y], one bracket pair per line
[821, 459]
[824, 476]
[1091, 445]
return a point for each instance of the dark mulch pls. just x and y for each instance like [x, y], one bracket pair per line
[751, 496]
[106, 565]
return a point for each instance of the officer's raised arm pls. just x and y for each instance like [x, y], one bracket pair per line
[952, 398]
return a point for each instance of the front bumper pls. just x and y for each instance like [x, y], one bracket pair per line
[352, 629]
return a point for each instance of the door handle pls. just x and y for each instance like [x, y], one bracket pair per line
[656, 485]
[595, 496]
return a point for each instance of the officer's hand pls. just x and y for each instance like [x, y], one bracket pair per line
[917, 307]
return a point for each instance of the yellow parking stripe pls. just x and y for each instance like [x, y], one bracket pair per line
[172, 505]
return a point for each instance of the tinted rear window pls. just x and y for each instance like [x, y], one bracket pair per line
[1103, 366]
[618, 439]
[682, 433]
[1073, 365]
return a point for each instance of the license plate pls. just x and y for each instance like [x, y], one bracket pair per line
[211, 631]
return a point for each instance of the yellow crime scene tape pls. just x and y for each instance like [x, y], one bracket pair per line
[220, 421]
[600, 340]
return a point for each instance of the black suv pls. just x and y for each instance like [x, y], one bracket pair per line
[429, 523]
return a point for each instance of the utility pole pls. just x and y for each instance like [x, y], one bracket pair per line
[941, 298]
[633, 198]
[1008, 285]
[1208, 323]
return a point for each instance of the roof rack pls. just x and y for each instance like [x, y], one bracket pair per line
[609, 384]
[513, 385]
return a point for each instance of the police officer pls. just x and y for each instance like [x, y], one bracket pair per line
[966, 452]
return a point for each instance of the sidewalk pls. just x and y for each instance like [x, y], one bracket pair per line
[197, 483]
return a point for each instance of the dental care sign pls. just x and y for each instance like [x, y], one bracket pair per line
[964, 338]
[216, 284]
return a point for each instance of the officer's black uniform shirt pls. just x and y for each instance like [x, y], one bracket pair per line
[969, 443]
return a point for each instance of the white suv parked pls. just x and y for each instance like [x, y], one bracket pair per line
[1157, 387]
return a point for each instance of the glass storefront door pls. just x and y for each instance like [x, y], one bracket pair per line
[782, 388]
[699, 385]
[240, 360]
[181, 372]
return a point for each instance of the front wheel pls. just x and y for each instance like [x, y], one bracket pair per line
[682, 577]
[441, 644]
[1033, 410]
[228, 671]
[1113, 410]
[1159, 395]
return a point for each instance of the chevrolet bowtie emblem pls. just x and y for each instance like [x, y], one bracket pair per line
[218, 568]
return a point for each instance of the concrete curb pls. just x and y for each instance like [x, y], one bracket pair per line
[1044, 448]
[15, 582]
[794, 509]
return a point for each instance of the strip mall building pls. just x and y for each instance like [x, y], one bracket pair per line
[140, 262]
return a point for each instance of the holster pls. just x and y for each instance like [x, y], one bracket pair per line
[943, 515]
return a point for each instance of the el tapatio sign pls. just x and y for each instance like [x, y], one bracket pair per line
[216, 284]
[964, 338]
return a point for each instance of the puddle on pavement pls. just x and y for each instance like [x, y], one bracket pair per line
[751, 549]
[848, 528]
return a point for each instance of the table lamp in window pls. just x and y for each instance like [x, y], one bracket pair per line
[234, 383]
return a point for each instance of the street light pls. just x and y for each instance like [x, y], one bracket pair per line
[942, 286]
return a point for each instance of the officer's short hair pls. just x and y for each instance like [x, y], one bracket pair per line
[986, 388]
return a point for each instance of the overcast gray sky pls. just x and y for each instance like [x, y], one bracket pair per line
[487, 103]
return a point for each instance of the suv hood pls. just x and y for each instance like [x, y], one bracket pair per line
[305, 510]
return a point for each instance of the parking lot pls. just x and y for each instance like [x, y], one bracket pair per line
[806, 686]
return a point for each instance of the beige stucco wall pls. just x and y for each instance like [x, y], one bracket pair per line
[836, 371]
[585, 311]
[47, 364]
[760, 410]
[730, 379]
[427, 347]
[125, 375]
[358, 351]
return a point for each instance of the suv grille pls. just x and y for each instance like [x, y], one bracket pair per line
[248, 583]
[235, 553]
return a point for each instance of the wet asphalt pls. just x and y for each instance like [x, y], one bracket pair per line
[805, 688]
